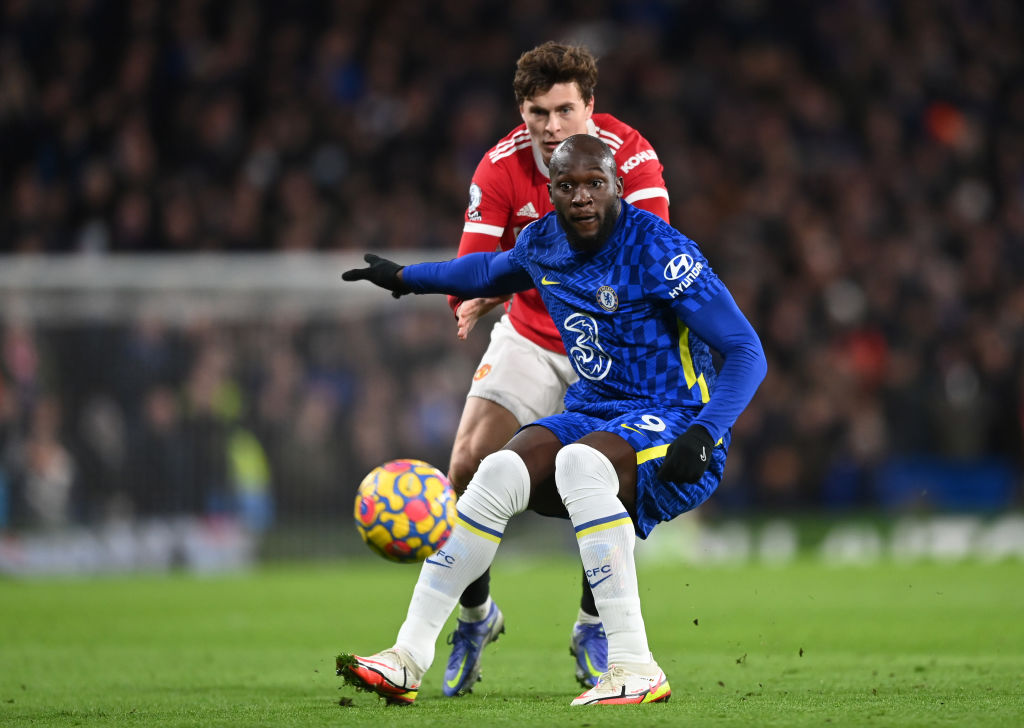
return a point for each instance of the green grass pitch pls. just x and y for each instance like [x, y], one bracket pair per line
[801, 645]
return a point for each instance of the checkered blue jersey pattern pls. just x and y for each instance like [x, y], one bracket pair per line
[636, 317]
[620, 312]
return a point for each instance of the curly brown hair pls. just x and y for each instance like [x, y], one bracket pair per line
[539, 69]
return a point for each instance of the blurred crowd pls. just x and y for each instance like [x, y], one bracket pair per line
[270, 421]
[854, 171]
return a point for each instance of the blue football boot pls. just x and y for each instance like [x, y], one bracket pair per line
[590, 648]
[468, 642]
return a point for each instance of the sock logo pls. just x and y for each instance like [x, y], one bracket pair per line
[605, 572]
[703, 454]
[446, 560]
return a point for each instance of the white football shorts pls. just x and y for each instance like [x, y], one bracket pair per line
[523, 377]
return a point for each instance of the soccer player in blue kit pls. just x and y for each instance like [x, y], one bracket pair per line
[645, 430]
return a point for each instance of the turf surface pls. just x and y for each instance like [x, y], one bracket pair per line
[887, 645]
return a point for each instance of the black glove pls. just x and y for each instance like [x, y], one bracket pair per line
[382, 272]
[688, 457]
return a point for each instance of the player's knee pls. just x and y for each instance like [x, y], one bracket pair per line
[466, 459]
[500, 488]
[461, 469]
[582, 471]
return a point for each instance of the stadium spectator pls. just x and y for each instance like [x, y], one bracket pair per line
[160, 479]
[43, 470]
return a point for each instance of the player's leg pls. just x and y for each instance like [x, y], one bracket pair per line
[530, 382]
[500, 400]
[516, 383]
[484, 428]
[596, 479]
[499, 490]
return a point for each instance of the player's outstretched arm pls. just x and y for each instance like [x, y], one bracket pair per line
[471, 276]
[380, 272]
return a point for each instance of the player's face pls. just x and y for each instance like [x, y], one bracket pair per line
[586, 195]
[553, 116]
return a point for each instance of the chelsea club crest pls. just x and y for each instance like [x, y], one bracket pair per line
[607, 298]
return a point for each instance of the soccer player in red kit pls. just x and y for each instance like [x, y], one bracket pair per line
[524, 373]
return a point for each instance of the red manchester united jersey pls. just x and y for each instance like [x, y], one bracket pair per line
[509, 191]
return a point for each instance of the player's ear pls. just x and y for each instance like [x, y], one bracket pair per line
[550, 194]
[618, 186]
[588, 109]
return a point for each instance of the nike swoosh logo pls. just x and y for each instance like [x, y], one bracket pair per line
[458, 676]
[438, 563]
[595, 583]
[545, 282]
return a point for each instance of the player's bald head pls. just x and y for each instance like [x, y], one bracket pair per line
[577, 148]
[585, 191]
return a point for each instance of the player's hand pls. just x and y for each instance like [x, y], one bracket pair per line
[688, 457]
[381, 272]
[473, 310]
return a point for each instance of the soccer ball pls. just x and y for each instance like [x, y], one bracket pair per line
[405, 510]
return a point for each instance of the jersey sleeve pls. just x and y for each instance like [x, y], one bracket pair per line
[643, 180]
[656, 205]
[487, 213]
[723, 326]
[678, 274]
[676, 271]
[470, 276]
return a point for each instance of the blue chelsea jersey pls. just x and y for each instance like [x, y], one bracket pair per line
[620, 311]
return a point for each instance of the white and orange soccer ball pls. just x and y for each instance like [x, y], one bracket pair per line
[405, 510]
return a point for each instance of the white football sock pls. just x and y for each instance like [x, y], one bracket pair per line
[499, 490]
[589, 487]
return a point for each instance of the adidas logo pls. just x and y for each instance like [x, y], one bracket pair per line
[527, 210]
